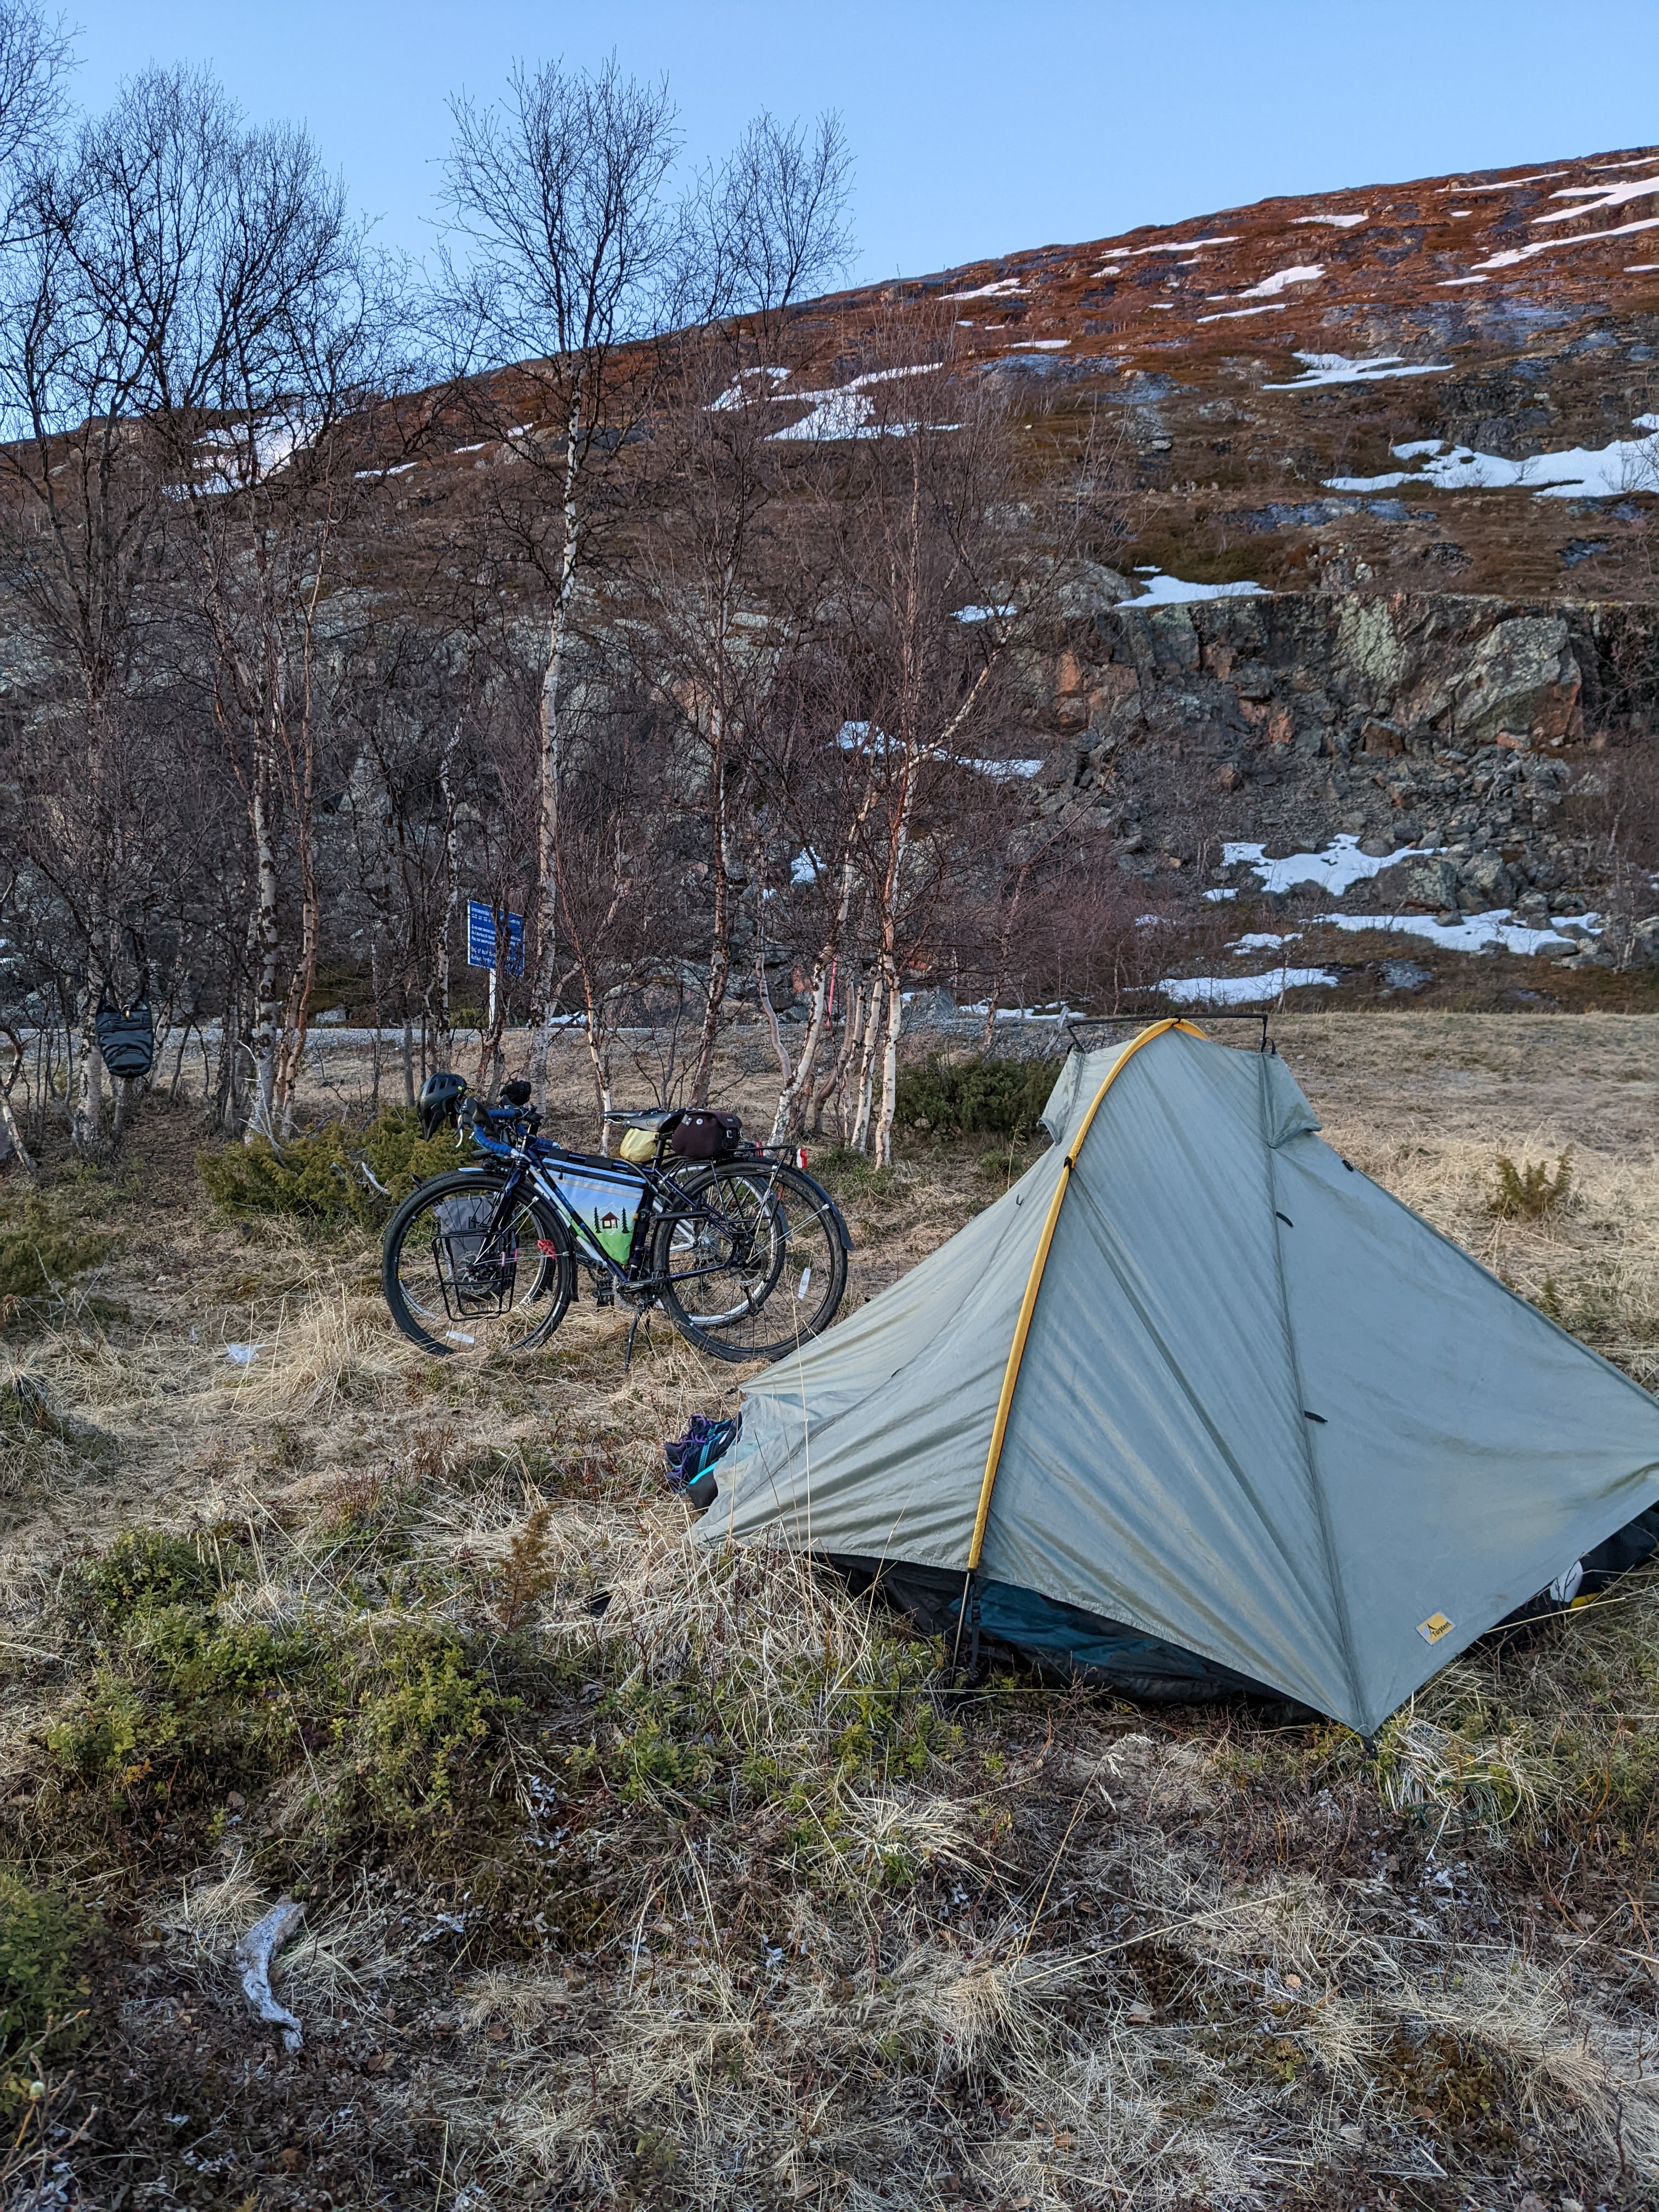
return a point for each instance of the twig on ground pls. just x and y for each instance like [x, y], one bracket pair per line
[255, 1954]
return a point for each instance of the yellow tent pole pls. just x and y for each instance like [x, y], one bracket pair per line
[1034, 1280]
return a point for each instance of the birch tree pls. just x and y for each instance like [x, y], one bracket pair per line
[567, 250]
[775, 214]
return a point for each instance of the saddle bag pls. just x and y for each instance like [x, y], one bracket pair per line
[701, 1135]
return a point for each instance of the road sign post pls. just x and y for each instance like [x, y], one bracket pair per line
[482, 944]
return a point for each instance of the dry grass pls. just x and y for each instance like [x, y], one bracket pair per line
[761, 1915]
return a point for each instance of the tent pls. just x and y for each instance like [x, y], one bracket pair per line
[1196, 1407]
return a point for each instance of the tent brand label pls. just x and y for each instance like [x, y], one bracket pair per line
[1435, 1627]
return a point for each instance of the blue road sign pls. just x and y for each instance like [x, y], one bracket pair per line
[481, 938]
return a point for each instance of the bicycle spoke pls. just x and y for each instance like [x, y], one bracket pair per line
[471, 1288]
[754, 1266]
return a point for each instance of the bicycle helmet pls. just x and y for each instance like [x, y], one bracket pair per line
[439, 1101]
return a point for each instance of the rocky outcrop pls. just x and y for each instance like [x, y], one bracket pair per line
[1411, 719]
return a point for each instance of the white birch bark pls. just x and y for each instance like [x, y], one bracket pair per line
[267, 1012]
[547, 836]
[87, 1116]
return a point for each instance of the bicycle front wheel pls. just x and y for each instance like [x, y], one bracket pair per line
[463, 1275]
[750, 1264]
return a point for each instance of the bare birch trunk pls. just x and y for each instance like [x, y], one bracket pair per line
[443, 1040]
[895, 1022]
[861, 1133]
[784, 1065]
[852, 1025]
[296, 1014]
[785, 1122]
[87, 1117]
[15, 1154]
[719, 951]
[599, 1059]
[267, 1009]
[548, 825]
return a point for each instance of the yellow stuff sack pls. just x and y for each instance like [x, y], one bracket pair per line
[638, 1146]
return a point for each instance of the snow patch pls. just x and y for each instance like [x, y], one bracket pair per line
[1548, 245]
[1471, 933]
[1336, 221]
[983, 614]
[1338, 368]
[1337, 869]
[1004, 288]
[738, 395]
[844, 411]
[806, 867]
[843, 415]
[1000, 771]
[1602, 199]
[1233, 314]
[1263, 940]
[1511, 184]
[1304, 272]
[1164, 591]
[1627, 465]
[1243, 990]
[1173, 246]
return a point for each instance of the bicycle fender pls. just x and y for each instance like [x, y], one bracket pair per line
[836, 1215]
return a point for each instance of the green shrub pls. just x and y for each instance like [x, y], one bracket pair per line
[181, 1704]
[43, 1987]
[183, 1710]
[1529, 1193]
[416, 1739]
[46, 1243]
[318, 1178]
[143, 1570]
[974, 1096]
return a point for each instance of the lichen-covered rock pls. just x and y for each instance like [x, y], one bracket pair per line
[1520, 682]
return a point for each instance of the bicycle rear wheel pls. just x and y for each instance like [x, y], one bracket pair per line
[460, 1281]
[750, 1265]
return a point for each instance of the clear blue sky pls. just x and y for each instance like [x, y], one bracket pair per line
[976, 128]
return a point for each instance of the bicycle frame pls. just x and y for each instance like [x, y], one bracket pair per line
[537, 1170]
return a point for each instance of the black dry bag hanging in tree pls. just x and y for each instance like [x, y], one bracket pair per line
[126, 1038]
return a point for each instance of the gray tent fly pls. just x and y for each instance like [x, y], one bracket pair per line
[1196, 1408]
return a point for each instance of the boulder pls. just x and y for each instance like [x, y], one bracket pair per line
[931, 1010]
[1522, 682]
[1491, 878]
[1060, 770]
[1429, 885]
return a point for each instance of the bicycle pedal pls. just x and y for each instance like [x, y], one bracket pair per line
[605, 1292]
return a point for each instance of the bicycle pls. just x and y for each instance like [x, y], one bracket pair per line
[485, 1260]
